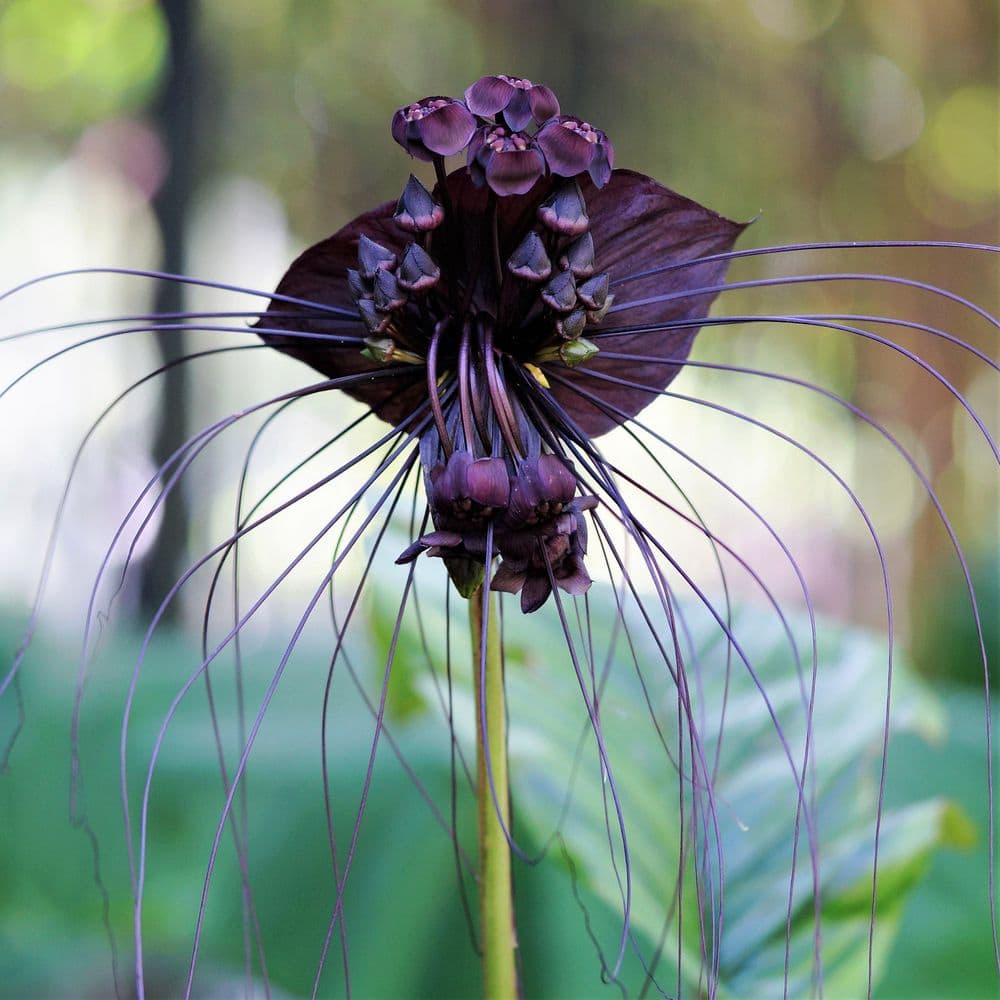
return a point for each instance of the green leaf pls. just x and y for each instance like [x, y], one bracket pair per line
[755, 795]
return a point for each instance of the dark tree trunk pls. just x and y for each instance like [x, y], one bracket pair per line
[174, 114]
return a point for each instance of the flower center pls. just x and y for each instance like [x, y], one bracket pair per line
[420, 110]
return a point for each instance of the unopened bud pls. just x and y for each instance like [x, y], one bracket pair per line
[560, 293]
[594, 292]
[388, 294]
[416, 210]
[570, 327]
[576, 352]
[578, 257]
[565, 211]
[417, 270]
[529, 260]
[373, 257]
[359, 288]
[379, 349]
[375, 321]
[596, 315]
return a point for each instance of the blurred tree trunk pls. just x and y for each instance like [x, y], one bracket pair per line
[174, 115]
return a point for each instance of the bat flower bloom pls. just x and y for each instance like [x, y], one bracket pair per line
[508, 162]
[516, 100]
[435, 126]
[478, 340]
[494, 322]
[572, 145]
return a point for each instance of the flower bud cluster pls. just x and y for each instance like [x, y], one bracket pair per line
[493, 124]
[558, 256]
[383, 285]
[538, 530]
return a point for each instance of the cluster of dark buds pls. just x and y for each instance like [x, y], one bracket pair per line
[481, 299]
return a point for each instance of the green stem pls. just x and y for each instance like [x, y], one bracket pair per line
[496, 906]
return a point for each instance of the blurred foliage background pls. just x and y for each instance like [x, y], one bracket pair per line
[219, 139]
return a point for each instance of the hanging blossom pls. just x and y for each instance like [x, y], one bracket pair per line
[501, 321]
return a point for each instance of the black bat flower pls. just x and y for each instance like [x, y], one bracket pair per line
[499, 321]
[496, 347]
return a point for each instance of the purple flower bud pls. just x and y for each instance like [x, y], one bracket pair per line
[373, 257]
[560, 293]
[507, 161]
[465, 488]
[564, 211]
[529, 260]
[434, 541]
[359, 288]
[542, 486]
[439, 126]
[596, 315]
[594, 293]
[417, 271]
[556, 480]
[519, 101]
[416, 210]
[389, 296]
[375, 321]
[578, 257]
[572, 146]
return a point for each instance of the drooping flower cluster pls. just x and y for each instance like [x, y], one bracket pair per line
[474, 300]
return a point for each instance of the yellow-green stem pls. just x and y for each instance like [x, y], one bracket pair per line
[496, 907]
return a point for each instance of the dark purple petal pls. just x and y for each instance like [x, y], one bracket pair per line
[435, 125]
[488, 95]
[514, 171]
[602, 163]
[517, 114]
[556, 480]
[447, 131]
[535, 593]
[407, 134]
[544, 104]
[638, 224]
[488, 482]
[508, 580]
[577, 580]
[566, 151]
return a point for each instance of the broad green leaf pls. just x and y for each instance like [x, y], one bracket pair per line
[755, 794]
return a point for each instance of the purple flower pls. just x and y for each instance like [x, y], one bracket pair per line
[572, 146]
[517, 101]
[435, 126]
[508, 162]
[501, 324]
